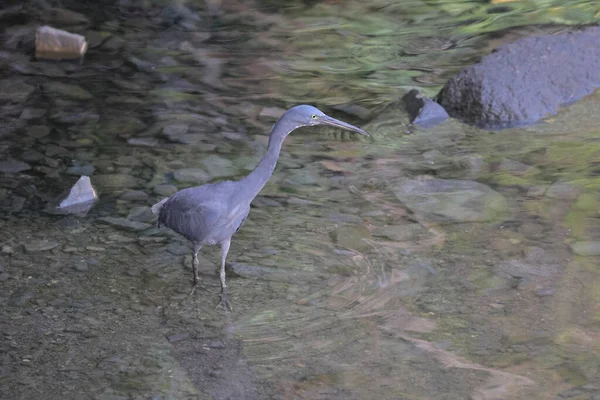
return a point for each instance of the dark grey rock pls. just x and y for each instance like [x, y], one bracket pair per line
[422, 110]
[524, 81]
[38, 131]
[178, 337]
[218, 167]
[13, 166]
[69, 91]
[125, 224]
[32, 113]
[116, 181]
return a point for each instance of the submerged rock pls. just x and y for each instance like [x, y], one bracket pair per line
[125, 223]
[422, 110]
[442, 200]
[13, 166]
[526, 80]
[586, 248]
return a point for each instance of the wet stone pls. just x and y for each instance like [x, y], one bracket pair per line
[353, 237]
[178, 337]
[134, 195]
[218, 167]
[398, 232]
[442, 200]
[124, 223]
[586, 248]
[344, 218]
[53, 151]
[32, 155]
[13, 166]
[563, 191]
[32, 113]
[69, 91]
[543, 292]
[141, 214]
[165, 189]
[14, 90]
[537, 191]
[38, 131]
[87, 170]
[300, 177]
[116, 181]
[191, 175]
[34, 246]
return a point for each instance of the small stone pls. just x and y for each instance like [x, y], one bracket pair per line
[271, 113]
[344, 218]
[87, 170]
[124, 223]
[563, 191]
[537, 191]
[546, 291]
[218, 167]
[300, 177]
[17, 204]
[32, 113]
[141, 214]
[13, 166]
[34, 246]
[116, 181]
[53, 151]
[38, 131]
[14, 90]
[134, 195]
[353, 237]
[178, 337]
[191, 175]
[69, 91]
[32, 155]
[586, 248]
[165, 189]
[4, 276]
[398, 233]
[143, 142]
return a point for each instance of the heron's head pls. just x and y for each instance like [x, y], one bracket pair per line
[304, 115]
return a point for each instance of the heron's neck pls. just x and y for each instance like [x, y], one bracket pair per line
[258, 178]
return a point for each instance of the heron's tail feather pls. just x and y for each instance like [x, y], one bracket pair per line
[156, 208]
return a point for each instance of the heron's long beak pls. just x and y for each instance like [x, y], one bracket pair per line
[327, 120]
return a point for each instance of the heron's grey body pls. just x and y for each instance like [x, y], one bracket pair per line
[212, 213]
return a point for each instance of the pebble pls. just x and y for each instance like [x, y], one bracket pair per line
[191, 175]
[134, 195]
[124, 223]
[141, 214]
[165, 189]
[38, 131]
[32, 155]
[13, 166]
[398, 233]
[563, 191]
[33, 246]
[178, 337]
[87, 170]
[32, 113]
[546, 291]
[218, 167]
[586, 248]
[69, 91]
[115, 181]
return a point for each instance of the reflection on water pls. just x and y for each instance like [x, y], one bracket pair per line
[444, 264]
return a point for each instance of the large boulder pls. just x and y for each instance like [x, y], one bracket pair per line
[521, 82]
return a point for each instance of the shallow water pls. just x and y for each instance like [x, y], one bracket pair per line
[416, 264]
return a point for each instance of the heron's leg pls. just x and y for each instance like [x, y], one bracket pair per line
[197, 248]
[224, 250]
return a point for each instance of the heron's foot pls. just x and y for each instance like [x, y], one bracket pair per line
[195, 285]
[224, 302]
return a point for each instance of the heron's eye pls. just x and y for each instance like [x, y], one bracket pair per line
[314, 116]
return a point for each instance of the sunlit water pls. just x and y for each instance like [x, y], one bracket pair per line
[344, 284]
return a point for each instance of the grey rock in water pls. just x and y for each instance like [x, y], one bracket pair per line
[191, 175]
[165, 189]
[586, 248]
[125, 223]
[134, 195]
[219, 167]
[450, 201]
[34, 246]
[142, 214]
[14, 90]
[422, 110]
[524, 81]
[13, 166]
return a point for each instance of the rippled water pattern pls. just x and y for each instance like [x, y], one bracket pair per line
[449, 263]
